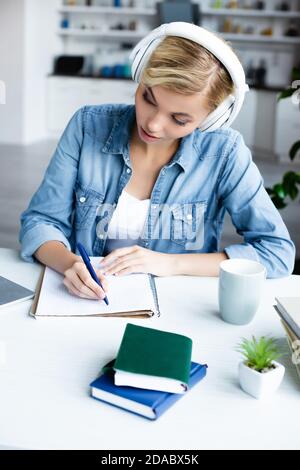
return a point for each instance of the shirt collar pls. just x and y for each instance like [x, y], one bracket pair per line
[118, 141]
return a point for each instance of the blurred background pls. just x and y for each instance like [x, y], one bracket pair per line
[57, 56]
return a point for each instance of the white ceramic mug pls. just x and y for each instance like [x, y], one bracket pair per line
[240, 289]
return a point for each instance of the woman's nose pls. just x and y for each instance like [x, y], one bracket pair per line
[155, 124]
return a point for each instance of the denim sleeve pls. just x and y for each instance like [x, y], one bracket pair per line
[49, 214]
[253, 214]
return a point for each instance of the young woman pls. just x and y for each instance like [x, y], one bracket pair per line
[147, 185]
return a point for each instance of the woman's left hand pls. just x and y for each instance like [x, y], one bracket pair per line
[136, 259]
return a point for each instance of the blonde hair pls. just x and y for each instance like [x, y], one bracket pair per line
[186, 67]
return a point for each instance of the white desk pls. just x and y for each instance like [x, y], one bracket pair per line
[44, 381]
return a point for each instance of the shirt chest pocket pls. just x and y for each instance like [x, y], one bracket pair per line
[187, 224]
[87, 202]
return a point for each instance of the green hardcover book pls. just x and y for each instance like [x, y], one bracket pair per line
[153, 359]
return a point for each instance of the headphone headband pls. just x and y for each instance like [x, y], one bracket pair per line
[226, 113]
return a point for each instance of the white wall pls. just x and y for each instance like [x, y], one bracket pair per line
[40, 45]
[12, 69]
[28, 43]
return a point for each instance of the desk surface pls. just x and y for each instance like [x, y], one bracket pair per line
[46, 366]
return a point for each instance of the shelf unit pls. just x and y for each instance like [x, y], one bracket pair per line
[135, 36]
[254, 38]
[250, 13]
[66, 94]
[107, 10]
[102, 17]
[243, 28]
[258, 20]
[149, 14]
[92, 27]
[108, 34]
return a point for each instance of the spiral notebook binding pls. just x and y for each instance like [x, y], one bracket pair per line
[154, 293]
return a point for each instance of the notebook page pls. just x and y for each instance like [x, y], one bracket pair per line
[126, 293]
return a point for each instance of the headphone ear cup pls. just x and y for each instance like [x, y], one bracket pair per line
[140, 55]
[219, 116]
[219, 123]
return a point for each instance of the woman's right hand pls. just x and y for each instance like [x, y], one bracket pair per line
[79, 282]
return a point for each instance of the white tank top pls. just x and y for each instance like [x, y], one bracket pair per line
[127, 223]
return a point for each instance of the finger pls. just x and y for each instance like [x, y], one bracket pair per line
[74, 291]
[137, 268]
[102, 279]
[89, 282]
[83, 282]
[118, 253]
[124, 262]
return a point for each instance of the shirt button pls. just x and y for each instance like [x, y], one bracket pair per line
[128, 170]
[189, 216]
[154, 207]
[82, 199]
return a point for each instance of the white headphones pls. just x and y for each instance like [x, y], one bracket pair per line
[224, 115]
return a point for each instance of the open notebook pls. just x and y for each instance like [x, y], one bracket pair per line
[132, 295]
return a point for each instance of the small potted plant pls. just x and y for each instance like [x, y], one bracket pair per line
[259, 373]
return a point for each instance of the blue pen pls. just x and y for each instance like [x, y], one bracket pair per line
[87, 262]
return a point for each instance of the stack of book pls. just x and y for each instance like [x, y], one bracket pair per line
[288, 308]
[152, 370]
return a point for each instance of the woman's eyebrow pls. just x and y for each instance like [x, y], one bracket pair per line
[154, 99]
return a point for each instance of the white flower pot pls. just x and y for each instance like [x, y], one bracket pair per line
[260, 384]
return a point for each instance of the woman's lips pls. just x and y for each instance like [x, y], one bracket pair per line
[148, 136]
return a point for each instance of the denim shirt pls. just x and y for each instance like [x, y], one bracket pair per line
[210, 173]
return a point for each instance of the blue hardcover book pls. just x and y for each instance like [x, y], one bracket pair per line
[148, 403]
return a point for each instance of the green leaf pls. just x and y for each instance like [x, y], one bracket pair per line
[289, 177]
[278, 202]
[295, 73]
[279, 191]
[285, 94]
[259, 354]
[293, 193]
[289, 183]
[294, 150]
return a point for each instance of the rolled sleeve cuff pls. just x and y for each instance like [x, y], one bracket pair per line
[242, 250]
[36, 236]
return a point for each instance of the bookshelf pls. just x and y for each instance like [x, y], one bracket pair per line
[255, 34]
[102, 30]
[250, 13]
[254, 25]
[107, 10]
[255, 38]
[109, 35]
[101, 20]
